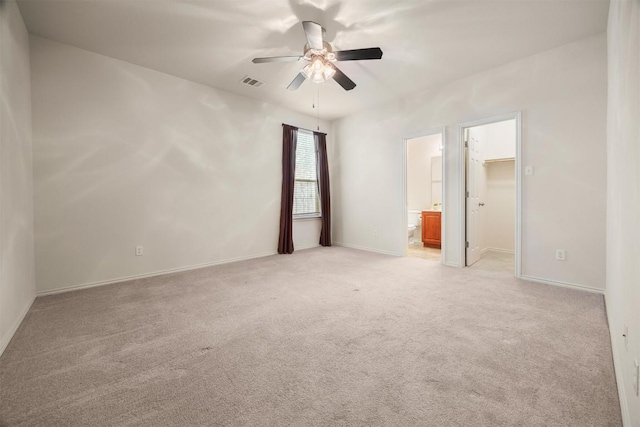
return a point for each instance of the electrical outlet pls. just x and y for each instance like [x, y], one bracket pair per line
[561, 255]
[375, 233]
[636, 377]
[139, 250]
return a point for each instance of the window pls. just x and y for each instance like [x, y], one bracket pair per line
[306, 202]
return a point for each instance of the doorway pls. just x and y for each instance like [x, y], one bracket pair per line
[424, 195]
[490, 154]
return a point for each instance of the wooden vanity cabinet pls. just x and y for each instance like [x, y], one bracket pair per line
[431, 229]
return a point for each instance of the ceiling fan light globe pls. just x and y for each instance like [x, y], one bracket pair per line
[318, 64]
[317, 77]
[328, 72]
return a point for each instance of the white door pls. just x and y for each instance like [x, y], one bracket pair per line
[474, 179]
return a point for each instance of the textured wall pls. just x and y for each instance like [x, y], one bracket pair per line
[127, 156]
[499, 139]
[17, 282]
[623, 197]
[498, 186]
[420, 151]
[559, 92]
[500, 209]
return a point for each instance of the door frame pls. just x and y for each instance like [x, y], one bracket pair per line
[441, 130]
[517, 116]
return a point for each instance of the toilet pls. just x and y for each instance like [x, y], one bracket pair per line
[414, 219]
[411, 232]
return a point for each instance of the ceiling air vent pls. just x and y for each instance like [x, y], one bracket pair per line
[251, 81]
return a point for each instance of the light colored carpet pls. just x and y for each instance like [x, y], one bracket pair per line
[326, 337]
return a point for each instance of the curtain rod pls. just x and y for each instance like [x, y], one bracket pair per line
[308, 130]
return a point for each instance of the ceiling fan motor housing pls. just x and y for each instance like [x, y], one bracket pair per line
[326, 52]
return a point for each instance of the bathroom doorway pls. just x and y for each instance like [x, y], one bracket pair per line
[424, 195]
[490, 189]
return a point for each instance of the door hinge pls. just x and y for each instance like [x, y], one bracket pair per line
[467, 244]
[467, 194]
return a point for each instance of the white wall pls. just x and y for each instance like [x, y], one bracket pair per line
[17, 282]
[420, 151]
[498, 187]
[623, 198]
[500, 207]
[499, 140]
[126, 156]
[558, 92]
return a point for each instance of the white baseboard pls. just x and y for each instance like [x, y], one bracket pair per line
[562, 284]
[7, 338]
[364, 248]
[152, 274]
[503, 251]
[317, 245]
[617, 367]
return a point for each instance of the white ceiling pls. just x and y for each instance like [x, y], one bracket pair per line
[425, 43]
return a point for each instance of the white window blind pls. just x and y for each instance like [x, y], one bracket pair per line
[305, 192]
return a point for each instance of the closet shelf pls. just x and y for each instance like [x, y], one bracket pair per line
[506, 159]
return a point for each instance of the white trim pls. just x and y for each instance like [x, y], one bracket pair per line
[442, 131]
[518, 244]
[617, 368]
[317, 245]
[517, 116]
[462, 185]
[7, 338]
[562, 284]
[443, 236]
[306, 217]
[152, 274]
[502, 251]
[405, 220]
[364, 248]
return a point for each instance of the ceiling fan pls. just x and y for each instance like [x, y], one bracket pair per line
[321, 57]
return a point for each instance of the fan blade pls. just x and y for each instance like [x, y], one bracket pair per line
[343, 80]
[314, 34]
[295, 84]
[276, 59]
[359, 54]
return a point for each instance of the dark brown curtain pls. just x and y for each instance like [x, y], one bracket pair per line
[323, 187]
[289, 138]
